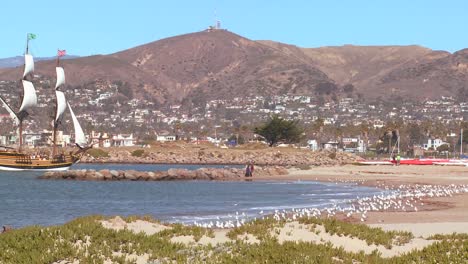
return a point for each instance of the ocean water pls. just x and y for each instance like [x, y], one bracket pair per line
[26, 200]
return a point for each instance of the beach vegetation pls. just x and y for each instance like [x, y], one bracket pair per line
[453, 236]
[138, 153]
[85, 240]
[304, 167]
[97, 153]
[260, 228]
[181, 230]
[371, 235]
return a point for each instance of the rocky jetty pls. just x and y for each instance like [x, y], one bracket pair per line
[170, 175]
[275, 157]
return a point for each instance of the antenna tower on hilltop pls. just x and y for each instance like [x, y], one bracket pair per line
[217, 21]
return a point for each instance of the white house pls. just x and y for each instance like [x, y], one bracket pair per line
[31, 139]
[313, 144]
[102, 139]
[3, 140]
[123, 140]
[434, 143]
[330, 145]
[164, 138]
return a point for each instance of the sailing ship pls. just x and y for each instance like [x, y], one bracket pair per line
[17, 160]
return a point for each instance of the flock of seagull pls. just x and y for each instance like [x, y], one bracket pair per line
[401, 198]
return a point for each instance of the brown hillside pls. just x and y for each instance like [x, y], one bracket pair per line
[381, 71]
[219, 64]
[436, 74]
[87, 69]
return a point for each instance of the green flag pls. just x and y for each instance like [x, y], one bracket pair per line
[31, 36]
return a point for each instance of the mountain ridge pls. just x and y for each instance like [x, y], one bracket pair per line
[217, 64]
[19, 60]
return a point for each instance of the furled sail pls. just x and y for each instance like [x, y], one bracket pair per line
[80, 138]
[61, 105]
[60, 77]
[28, 64]
[29, 96]
[10, 111]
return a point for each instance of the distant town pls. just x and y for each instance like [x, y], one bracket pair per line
[112, 117]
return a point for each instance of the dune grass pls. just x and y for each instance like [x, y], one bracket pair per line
[87, 241]
[371, 235]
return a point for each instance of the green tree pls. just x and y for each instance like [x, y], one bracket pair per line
[176, 128]
[442, 148]
[278, 130]
[315, 130]
[124, 89]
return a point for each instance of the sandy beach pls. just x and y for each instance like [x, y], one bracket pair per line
[440, 214]
[436, 215]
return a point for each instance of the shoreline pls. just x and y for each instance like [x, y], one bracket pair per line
[453, 208]
[440, 194]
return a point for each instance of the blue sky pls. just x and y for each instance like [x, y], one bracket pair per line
[87, 27]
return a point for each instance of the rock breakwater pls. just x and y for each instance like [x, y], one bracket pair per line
[169, 175]
[218, 156]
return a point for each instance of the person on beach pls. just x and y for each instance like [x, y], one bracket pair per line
[398, 158]
[6, 229]
[251, 169]
[248, 173]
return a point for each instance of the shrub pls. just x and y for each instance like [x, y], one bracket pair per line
[98, 153]
[303, 166]
[138, 153]
[37, 244]
[370, 235]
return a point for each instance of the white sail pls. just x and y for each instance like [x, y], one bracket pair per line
[60, 77]
[61, 105]
[29, 96]
[80, 137]
[28, 64]
[10, 111]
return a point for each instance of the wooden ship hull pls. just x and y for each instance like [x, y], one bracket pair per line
[24, 162]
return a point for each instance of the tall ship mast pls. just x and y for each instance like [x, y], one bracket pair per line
[28, 98]
[61, 103]
[19, 161]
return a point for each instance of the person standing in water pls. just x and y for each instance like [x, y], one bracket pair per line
[248, 173]
[251, 169]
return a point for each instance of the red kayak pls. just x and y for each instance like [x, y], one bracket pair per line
[420, 161]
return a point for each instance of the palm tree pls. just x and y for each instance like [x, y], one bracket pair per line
[177, 126]
[317, 128]
[364, 127]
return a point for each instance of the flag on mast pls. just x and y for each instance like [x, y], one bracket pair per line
[61, 53]
[31, 36]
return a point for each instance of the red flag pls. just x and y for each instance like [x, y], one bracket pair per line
[61, 53]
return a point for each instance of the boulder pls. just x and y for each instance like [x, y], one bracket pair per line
[106, 175]
[114, 173]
